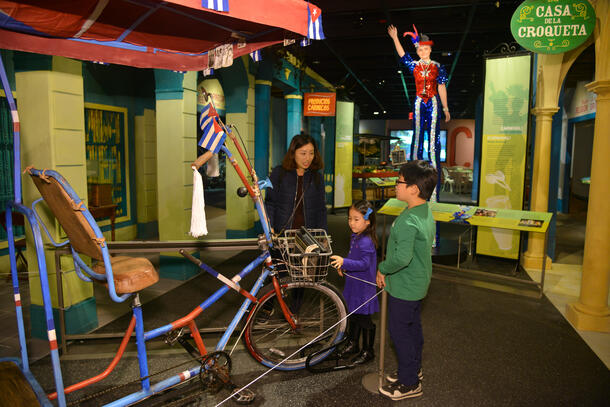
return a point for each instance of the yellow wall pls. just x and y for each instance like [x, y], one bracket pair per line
[51, 107]
[176, 149]
[146, 166]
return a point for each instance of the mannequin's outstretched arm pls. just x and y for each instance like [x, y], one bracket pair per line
[393, 33]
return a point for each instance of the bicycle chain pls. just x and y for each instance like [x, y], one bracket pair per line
[102, 392]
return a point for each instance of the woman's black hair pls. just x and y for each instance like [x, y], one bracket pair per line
[363, 207]
[297, 142]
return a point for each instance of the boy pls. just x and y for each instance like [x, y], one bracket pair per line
[406, 273]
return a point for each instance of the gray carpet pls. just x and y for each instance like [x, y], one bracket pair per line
[481, 348]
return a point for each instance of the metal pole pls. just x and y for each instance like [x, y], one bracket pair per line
[60, 301]
[373, 381]
[543, 264]
[459, 250]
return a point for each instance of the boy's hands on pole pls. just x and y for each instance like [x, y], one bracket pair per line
[380, 280]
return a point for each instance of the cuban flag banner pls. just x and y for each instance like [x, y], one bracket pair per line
[256, 55]
[314, 23]
[305, 42]
[218, 5]
[213, 136]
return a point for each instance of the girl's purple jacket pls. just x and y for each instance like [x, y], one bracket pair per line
[361, 262]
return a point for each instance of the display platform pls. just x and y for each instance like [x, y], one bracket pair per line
[472, 217]
[479, 216]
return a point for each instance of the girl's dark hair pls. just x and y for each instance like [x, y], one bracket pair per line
[362, 206]
[422, 174]
[297, 142]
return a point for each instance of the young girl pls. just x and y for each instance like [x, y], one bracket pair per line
[361, 263]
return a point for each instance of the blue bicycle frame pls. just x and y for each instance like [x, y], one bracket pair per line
[147, 389]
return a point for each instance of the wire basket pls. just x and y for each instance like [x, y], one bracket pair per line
[306, 262]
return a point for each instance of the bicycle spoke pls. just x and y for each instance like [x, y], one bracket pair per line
[316, 308]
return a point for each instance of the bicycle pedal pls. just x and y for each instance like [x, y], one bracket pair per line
[277, 352]
[243, 396]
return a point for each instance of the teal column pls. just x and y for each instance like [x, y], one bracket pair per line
[294, 113]
[329, 157]
[478, 140]
[238, 86]
[262, 109]
[314, 130]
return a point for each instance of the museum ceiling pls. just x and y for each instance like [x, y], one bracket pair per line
[359, 58]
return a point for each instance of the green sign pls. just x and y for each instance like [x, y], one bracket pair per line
[552, 26]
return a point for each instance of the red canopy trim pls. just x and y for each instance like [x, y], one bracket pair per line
[151, 58]
[174, 34]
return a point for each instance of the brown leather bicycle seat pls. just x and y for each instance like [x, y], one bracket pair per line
[69, 215]
[131, 274]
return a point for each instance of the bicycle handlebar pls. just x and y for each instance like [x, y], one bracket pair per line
[194, 260]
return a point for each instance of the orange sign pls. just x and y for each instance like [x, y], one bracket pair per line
[319, 104]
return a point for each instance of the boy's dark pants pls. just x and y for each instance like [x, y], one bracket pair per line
[406, 333]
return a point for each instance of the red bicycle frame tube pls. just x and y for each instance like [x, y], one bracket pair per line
[108, 370]
[278, 292]
[197, 337]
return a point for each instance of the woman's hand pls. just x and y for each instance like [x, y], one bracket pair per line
[392, 32]
[380, 280]
[336, 262]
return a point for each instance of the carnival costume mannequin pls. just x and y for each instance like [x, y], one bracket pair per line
[430, 78]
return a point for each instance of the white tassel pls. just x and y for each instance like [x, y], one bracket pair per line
[198, 223]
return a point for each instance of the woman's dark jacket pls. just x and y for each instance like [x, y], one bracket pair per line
[280, 200]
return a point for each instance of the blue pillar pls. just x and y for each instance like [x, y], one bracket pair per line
[262, 104]
[294, 112]
[478, 138]
[556, 135]
[314, 129]
[330, 124]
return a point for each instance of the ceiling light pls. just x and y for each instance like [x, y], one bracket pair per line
[375, 112]
[384, 112]
[399, 71]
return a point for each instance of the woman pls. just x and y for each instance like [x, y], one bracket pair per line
[297, 197]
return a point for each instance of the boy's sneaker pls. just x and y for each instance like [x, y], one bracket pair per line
[393, 377]
[398, 391]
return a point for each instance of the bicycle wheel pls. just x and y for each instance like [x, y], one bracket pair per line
[317, 307]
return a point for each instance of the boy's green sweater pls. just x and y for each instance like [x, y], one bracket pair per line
[408, 263]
